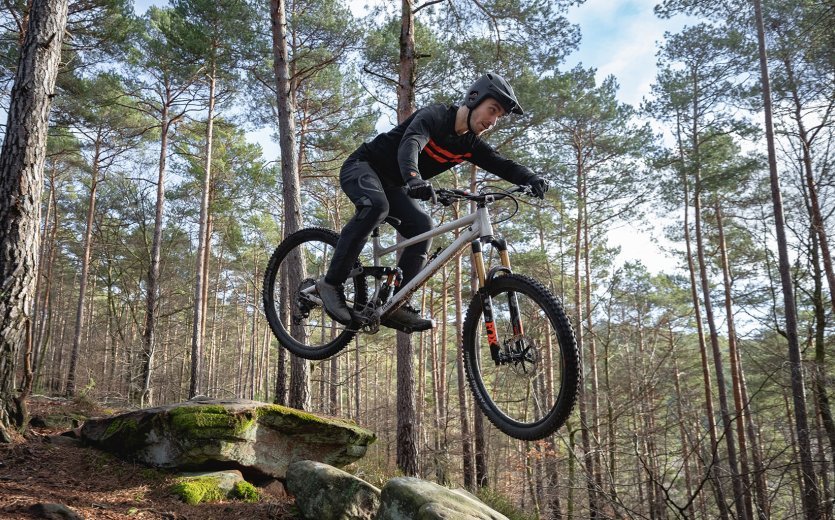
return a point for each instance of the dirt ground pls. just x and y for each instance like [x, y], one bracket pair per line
[46, 467]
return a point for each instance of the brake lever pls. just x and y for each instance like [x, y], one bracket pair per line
[444, 200]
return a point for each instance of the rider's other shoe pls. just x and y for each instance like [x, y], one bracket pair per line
[333, 299]
[406, 319]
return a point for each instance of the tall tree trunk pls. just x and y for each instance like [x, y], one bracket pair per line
[582, 398]
[299, 371]
[733, 466]
[740, 406]
[85, 273]
[713, 463]
[45, 327]
[592, 344]
[204, 315]
[823, 419]
[148, 338]
[407, 440]
[202, 248]
[21, 185]
[821, 248]
[811, 494]
[682, 428]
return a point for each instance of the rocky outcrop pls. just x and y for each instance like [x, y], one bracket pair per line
[258, 438]
[194, 488]
[408, 498]
[323, 491]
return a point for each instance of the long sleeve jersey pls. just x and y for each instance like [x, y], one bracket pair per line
[426, 143]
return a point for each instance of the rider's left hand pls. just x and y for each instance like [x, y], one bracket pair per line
[538, 186]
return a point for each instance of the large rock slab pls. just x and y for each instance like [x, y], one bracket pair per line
[257, 437]
[408, 498]
[324, 492]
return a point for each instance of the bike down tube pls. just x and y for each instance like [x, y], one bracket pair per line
[430, 269]
[480, 227]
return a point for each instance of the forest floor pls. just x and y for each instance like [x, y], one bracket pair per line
[46, 468]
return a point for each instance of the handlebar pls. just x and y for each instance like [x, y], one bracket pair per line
[448, 196]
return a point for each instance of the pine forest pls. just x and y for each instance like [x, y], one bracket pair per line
[139, 211]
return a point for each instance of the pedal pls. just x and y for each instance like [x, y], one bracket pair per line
[366, 320]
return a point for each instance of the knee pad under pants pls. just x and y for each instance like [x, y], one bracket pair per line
[363, 187]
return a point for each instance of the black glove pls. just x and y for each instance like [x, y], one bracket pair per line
[418, 188]
[538, 186]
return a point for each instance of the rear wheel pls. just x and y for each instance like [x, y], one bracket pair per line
[531, 390]
[291, 304]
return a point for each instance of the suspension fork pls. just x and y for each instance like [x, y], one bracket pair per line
[484, 278]
[513, 303]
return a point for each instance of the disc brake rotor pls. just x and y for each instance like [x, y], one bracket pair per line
[522, 354]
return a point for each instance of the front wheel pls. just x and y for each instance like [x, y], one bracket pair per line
[527, 381]
[291, 303]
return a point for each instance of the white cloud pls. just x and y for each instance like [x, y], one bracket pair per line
[621, 39]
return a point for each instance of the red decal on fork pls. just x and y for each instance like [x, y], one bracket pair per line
[491, 333]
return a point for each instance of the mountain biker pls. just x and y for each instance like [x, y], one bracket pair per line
[389, 174]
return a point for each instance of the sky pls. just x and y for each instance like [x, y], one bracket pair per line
[619, 37]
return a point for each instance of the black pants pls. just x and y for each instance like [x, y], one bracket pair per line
[373, 203]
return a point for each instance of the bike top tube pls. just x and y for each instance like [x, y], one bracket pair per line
[478, 220]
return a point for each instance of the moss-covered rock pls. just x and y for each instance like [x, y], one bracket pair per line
[407, 498]
[196, 490]
[260, 437]
[245, 491]
[323, 491]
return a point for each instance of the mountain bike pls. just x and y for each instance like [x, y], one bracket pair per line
[519, 350]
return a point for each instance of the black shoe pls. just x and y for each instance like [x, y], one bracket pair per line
[333, 299]
[406, 319]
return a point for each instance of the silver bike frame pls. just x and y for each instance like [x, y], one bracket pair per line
[479, 226]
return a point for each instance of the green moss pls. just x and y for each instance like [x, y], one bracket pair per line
[210, 421]
[245, 491]
[276, 414]
[121, 425]
[197, 490]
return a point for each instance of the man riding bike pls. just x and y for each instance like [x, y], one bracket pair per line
[389, 174]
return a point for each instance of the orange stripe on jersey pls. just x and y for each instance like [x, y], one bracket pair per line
[435, 156]
[446, 153]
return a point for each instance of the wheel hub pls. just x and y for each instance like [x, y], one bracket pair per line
[522, 354]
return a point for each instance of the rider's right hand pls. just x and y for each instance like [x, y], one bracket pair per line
[418, 188]
[538, 186]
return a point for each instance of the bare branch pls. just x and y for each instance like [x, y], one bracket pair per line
[427, 4]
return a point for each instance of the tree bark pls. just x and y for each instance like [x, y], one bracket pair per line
[148, 343]
[820, 249]
[740, 406]
[582, 398]
[733, 467]
[21, 185]
[407, 440]
[299, 370]
[811, 494]
[202, 248]
[85, 272]
[713, 463]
